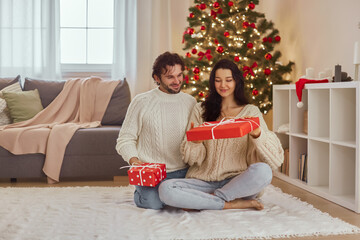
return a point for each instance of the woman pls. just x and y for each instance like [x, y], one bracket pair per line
[225, 173]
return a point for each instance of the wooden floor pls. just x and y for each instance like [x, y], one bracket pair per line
[318, 202]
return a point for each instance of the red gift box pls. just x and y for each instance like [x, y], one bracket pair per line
[232, 128]
[147, 174]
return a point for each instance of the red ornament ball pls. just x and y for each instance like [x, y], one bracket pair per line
[216, 5]
[250, 45]
[196, 77]
[191, 15]
[252, 25]
[251, 6]
[202, 28]
[186, 78]
[265, 39]
[270, 39]
[226, 34]
[236, 58]
[277, 38]
[220, 49]
[267, 71]
[230, 3]
[188, 54]
[216, 41]
[245, 24]
[196, 70]
[203, 6]
[268, 56]
[194, 51]
[191, 31]
[201, 94]
[255, 92]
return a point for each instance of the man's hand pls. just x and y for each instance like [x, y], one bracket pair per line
[135, 161]
[191, 127]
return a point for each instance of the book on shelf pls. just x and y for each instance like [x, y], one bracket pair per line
[285, 165]
[303, 167]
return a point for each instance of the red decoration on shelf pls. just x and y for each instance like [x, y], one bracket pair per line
[270, 39]
[268, 56]
[216, 41]
[236, 59]
[196, 70]
[216, 5]
[250, 45]
[249, 70]
[267, 71]
[252, 25]
[255, 92]
[277, 38]
[230, 3]
[196, 77]
[251, 6]
[215, 13]
[207, 54]
[220, 49]
[191, 15]
[194, 51]
[188, 54]
[203, 6]
[202, 28]
[226, 34]
[201, 94]
[245, 24]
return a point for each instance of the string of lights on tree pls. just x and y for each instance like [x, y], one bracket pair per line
[233, 30]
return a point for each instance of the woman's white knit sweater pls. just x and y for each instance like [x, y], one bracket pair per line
[154, 128]
[216, 160]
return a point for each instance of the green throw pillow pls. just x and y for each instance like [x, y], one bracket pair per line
[23, 105]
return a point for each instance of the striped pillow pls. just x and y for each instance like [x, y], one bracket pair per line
[4, 111]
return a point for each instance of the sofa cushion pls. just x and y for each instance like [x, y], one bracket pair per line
[4, 111]
[23, 105]
[117, 107]
[48, 90]
[4, 82]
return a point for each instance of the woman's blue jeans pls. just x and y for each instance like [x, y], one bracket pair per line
[198, 194]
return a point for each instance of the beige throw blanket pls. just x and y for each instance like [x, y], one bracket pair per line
[81, 104]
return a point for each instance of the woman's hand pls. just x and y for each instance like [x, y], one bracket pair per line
[256, 132]
[191, 127]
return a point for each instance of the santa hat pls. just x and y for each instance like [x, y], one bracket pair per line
[300, 86]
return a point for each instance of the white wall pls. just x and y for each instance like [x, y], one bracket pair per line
[315, 33]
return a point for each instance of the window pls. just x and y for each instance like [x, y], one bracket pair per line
[86, 35]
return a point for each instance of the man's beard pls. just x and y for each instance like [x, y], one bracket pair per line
[169, 90]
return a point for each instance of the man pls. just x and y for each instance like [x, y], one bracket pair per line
[155, 125]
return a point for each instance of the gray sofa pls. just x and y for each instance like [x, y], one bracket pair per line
[90, 153]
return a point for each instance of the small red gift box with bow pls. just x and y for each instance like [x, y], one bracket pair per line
[232, 128]
[147, 174]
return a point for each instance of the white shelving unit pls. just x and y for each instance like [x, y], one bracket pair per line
[332, 144]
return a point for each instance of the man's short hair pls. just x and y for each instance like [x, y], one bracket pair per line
[166, 59]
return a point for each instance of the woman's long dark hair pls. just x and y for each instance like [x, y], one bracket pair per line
[212, 103]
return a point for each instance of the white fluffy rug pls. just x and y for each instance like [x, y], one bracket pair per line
[109, 213]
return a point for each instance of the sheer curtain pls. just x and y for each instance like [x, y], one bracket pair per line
[145, 29]
[29, 38]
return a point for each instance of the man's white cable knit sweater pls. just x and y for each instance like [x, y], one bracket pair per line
[216, 160]
[154, 128]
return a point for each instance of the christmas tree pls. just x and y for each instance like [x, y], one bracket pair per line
[233, 30]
